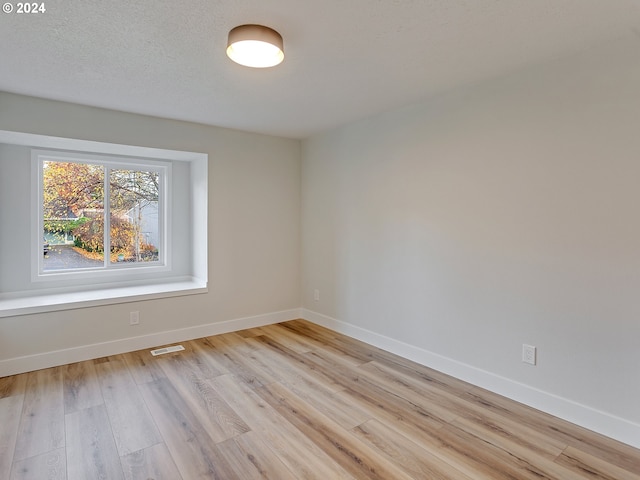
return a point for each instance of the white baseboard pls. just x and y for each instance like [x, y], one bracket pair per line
[30, 363]
[609, 425]
[588, 417]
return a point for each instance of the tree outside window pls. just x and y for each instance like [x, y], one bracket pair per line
[80, 198]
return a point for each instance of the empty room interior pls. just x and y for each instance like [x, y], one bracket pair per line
[408, 248]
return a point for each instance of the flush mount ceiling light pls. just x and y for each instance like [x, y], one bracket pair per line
[255, 46]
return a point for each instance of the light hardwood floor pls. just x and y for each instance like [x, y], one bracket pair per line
[287, 401]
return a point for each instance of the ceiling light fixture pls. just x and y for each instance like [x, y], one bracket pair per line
[255, 46]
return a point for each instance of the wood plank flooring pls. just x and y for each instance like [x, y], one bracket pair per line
[286, 401]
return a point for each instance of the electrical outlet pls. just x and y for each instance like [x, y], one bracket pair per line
[134, 318]
[528, 354]
[316, 295]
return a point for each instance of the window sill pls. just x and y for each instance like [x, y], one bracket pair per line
[49, 301]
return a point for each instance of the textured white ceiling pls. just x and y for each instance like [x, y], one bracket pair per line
[345, 59]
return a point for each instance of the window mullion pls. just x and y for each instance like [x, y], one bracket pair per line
[107, 216]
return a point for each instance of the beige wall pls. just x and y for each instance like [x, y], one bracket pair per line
[501, 214]
[254, 216]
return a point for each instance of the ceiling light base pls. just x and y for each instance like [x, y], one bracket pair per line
[255, 46]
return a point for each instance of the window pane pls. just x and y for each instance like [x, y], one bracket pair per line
[73, 215]
[135, 227]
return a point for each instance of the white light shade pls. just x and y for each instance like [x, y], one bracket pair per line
[255, 46]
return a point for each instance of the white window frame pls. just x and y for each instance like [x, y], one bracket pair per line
[108, 271]
[193, 276]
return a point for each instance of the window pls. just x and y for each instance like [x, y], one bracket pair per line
[157, 199]
[100, 213]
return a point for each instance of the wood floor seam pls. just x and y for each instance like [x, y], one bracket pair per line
[287, 401]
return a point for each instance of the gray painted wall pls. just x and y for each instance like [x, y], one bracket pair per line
[254, 227]
[501, 214]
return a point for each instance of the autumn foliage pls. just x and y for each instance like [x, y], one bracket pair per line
[74, 199]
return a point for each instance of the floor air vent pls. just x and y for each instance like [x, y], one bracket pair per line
[160, 351]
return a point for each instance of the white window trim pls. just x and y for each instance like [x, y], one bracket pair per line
[109, 273]
[53, 299]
